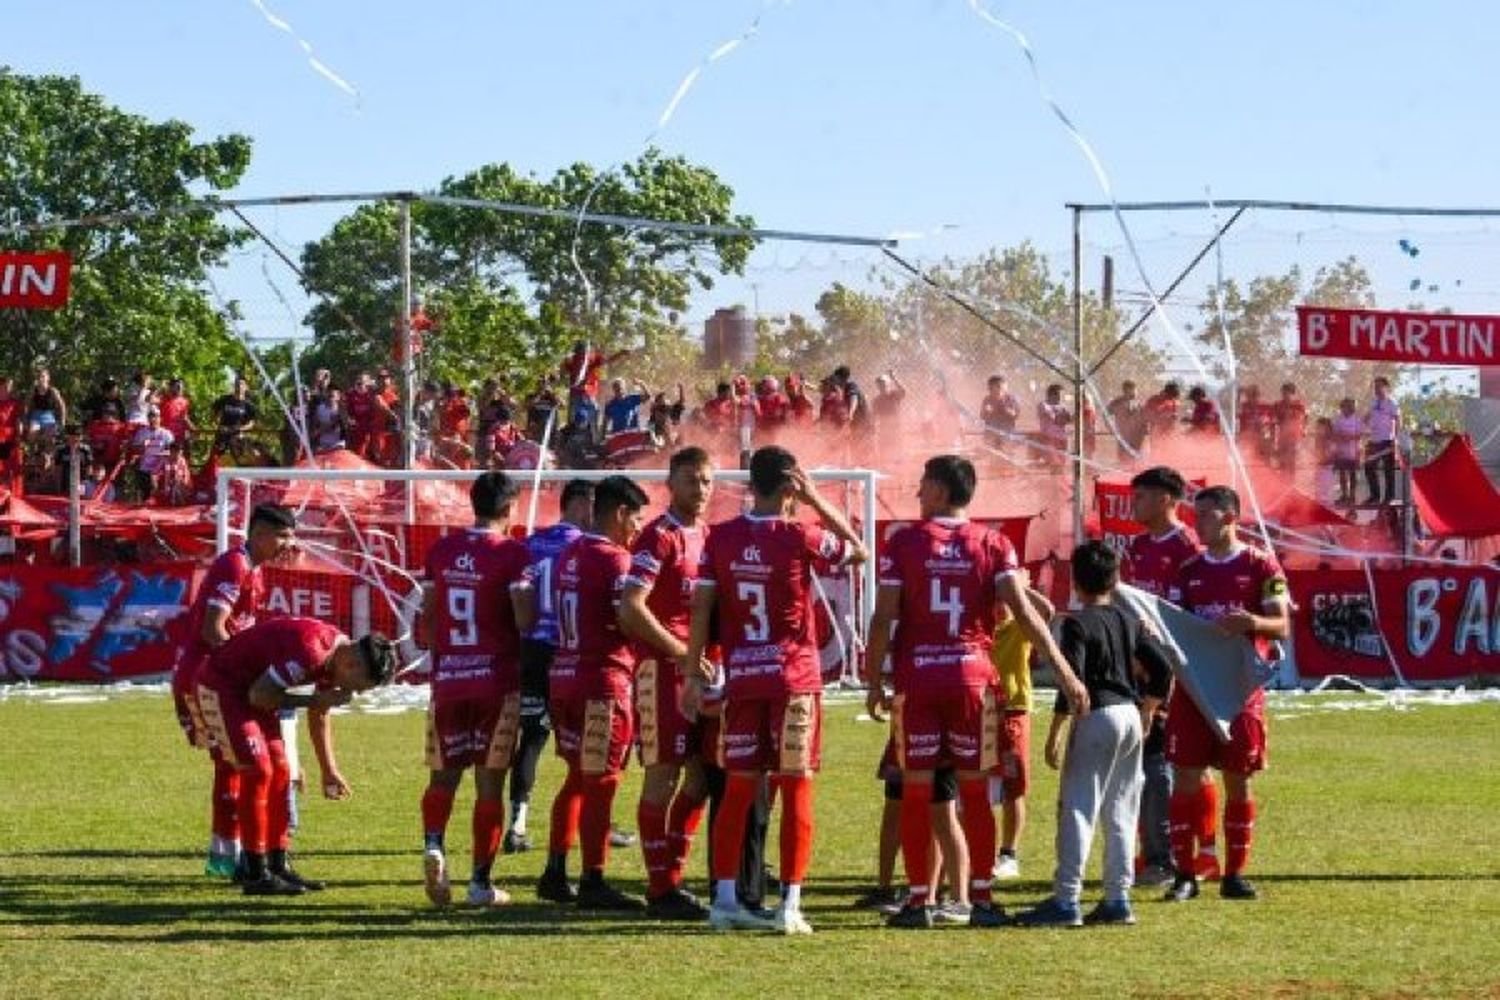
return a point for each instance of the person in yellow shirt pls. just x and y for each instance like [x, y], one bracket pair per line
[1011, 656]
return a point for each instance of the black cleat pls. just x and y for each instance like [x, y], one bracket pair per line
[886, 897]
[555, 887]
[296, 878]
[911, 917]
[676, 904]
[1237, 887]
[987, 915]
[271, 884]
[1184, 888]
[516, 843]
[597, 894]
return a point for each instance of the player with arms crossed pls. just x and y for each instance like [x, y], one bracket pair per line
[756, 573]
[470, 625]
[590, 689]
[655, 611]
[941, 581]
[227, 601]
[1244, 591]
[240, 690]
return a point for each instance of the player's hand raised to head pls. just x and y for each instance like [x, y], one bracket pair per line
[801, 486]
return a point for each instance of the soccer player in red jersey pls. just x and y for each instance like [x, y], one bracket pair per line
[1244, 591]
[590, 695]
[941, 581]
[242, 687]
[655, 611]
[756, 574]
[1152, 561]
[226, 603]
[471, 630]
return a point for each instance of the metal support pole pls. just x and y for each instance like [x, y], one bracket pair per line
[75, 508]
[1078, 377]
[408, 363]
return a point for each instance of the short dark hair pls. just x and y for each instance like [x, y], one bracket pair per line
[614, 492]
[273, 515]
[1096, 568]
[691, 457]
[995, 380]
[1171, 390]
[841, 373]
[1161, 477]
[768, 469]
[955, 474]
[492, 494]
[378, 654]
[1219, 498]
[576, 489]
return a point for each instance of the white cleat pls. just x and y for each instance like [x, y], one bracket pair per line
[791, 922]
[737, 918]
[487, 895]
[1007, 868]
[435, 877]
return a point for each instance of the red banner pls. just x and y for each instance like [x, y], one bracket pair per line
[328, 596]
[1405, 338]
[34, 280]
[96, 623]
[1115, 522]
[1441, 624]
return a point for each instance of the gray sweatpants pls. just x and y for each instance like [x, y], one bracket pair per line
[1101, 780]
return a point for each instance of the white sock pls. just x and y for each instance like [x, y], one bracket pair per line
[518, 816]
[724, 896]
[791, 897]
[222, 846]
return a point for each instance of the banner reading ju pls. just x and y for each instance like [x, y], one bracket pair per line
[1400, 337]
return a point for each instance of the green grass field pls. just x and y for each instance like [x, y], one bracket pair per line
[1375, 854]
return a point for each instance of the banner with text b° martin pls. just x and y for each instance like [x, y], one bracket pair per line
[1400, 337]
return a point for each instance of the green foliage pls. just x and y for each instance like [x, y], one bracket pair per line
[137, 298]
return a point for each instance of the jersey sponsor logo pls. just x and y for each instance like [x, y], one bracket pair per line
[464, 563]
[751, 554]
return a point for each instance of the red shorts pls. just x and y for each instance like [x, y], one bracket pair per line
[665, 734]
[957, 728]
[473, 731]
[783, 734]
[1015, 753]
[189, 715]
[238, 731]
[592, 735]
[1192, 742]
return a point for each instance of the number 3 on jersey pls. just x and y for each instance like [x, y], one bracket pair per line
[758, 628]
[950, 604]
[461, 613]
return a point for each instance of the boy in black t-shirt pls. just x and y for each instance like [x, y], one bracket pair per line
[1101, 777]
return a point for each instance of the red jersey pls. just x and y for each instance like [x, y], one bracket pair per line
[234, 584]
[949, 572]
[589, 365]
[10, 419]
[761, 568]
[1246, 580]
[593, 658]
[664, 563]
[834, 408]
[1152, 562]
[775, 409]
[360, 403]
[292, 651]
[476, 647]
[1291, 419]
[719, 412]
[392, 401]
[174, 415]
[453, 417]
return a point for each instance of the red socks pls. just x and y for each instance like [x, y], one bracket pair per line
[655, 847]
[254, 798]
[683, 819]
[979, 830]
[489, 822]
[226, 821]
[566, 809]
[437, 806]
[796, 827]
[1183, 817]
[1239, 830]
[916, 837]
[729, 825]
[593, 827]
[1208, 816]
[278, 805]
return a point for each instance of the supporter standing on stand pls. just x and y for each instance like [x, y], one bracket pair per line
[1384, 427]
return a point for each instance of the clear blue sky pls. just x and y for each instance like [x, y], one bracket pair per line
[857, 116]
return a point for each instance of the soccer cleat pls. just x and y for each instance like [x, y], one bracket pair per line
[987, 915]
[1110, 913]
[953, 914]
[1184, 888]
[220, 866]
[555, 887]
[1007, 867]
[1050, 913]
[482, 894]
[1206, 867]
[738, 918]
[1154, 876]
[879, 898]
[1237, 887]
[912, 916]
[788, 921]
[435, 877]
[676, 904]
[516, 843]
[271, 884]
[621, 838]
[296, 878]
[597, 894]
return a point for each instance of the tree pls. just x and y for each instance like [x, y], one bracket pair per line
[505, 290]
[137, 291]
